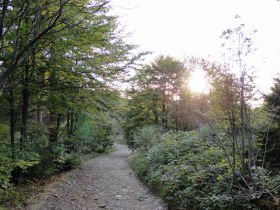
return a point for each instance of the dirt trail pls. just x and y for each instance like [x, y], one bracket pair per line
[106, 182]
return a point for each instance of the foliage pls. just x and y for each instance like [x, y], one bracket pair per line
[7, 166]
[153, 88]
[189, 172]
[272, 99]
[230, 156]
[57, 63]
[159, 95]
[271, 142]
[94, 133]
[57, 102]
[4, 133]
[146, 137]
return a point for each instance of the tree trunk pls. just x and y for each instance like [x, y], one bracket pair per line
[12, 122]
[242, 103]
[58, 122]
[4, 8]
[25, 107]
[71, 129]
[155, 112]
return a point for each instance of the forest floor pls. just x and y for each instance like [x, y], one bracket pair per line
[105, 182]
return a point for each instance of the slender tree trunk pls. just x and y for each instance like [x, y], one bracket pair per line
[25, 107]
[233, 134]
[155, 112]
[163, 110]
[242, 106]
[71, 130]
[12, 122]
[68, 124]
[249, 131]
[38, 115]
[176, 116]
[4, 7]
[58, 122]
[53, 126]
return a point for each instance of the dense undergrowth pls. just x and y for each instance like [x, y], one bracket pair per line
[43, 159]
[190, 172]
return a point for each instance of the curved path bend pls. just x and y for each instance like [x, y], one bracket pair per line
[105, 182]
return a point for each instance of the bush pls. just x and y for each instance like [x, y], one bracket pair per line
[95, 132]
[93, 135]
[71, 161]
[145, 137]
[4, 132]
[55, 159]
[140, 164]
[190, 173]
[39, 157]
[8, 169]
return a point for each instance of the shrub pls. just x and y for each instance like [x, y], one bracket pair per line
[8, 166]
[140, 164]
[190, 173]
[71, 161]
[4, 132]
[145, 137]
[55, 158]
[95, 132]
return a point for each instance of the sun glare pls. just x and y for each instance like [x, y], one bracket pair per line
[198, 82]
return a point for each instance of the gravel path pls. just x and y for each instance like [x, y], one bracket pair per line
[105, 182]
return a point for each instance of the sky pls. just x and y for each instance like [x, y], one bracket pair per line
[182, 28]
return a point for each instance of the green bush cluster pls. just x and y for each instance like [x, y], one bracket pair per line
[92, 136]
[54, 158]
[190, 173]
[94, 133]
[144, 137]
[21, 161]
[40, 158]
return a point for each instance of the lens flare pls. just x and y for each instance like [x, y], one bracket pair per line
[198, 82]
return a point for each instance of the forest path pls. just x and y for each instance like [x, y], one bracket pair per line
[105, 182]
